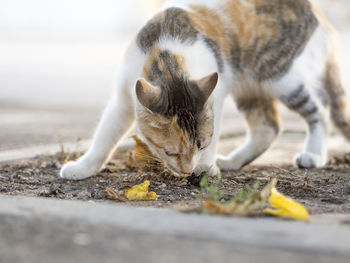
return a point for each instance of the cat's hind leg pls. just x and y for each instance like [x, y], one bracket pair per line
[301, 101]
[263, 127]
[338, 100]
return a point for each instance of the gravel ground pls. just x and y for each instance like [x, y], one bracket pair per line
[325, 190]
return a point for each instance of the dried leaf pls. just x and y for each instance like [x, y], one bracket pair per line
[140, 192]
[251, 204]
[217, 208]
[111, 168]
[113, 195]
[254, 202]
[286, 207]
[144, 157]
[131, 160]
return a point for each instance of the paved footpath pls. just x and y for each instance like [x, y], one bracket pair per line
[43, 230]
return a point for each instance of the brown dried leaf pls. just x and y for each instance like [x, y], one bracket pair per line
[253, 203]
[217, 208]
[144, 157]
[131, 160]
[113, 195]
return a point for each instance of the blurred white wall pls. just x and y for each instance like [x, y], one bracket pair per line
[107, 14]
[74, 15]
[337, 11]
[67, 51]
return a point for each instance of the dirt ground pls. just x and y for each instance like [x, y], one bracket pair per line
[325, 190]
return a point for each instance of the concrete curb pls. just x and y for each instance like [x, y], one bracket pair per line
[317, 237]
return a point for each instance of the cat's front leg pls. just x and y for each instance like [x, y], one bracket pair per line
[117, 119]
[206, 159]
[206, 162]
[263, 124]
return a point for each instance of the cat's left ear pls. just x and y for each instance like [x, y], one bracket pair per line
[207, 85]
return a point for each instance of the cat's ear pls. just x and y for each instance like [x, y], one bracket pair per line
[146, 93]
[207, 85]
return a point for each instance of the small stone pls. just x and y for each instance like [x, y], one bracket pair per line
[84, 195]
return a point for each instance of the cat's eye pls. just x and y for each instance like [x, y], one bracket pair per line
[200, 146]
[171, 154]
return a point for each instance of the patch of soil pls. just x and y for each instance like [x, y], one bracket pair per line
[325, 190]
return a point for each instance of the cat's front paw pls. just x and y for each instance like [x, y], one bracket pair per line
[309, 160]
[211, 170]
[77, 171]
[228, 163]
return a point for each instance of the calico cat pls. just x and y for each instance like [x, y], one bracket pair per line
[192, 53]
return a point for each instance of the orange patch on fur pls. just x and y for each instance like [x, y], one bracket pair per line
[154, 57]
[246, 25]
[210, 24]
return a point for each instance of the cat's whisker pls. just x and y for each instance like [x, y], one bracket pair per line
[149, 157]
[146, 155]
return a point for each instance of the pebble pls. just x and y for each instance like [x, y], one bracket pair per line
[84, 195]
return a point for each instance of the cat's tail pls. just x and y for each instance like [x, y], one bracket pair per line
[339, 105]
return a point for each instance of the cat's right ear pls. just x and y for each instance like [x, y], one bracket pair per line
[207, 85]
[146, 93]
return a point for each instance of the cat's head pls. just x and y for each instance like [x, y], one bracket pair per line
[177, 120]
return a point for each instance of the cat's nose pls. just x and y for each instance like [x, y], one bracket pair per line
[187, 168]
[183, 168]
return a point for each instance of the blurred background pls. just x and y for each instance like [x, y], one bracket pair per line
[58, 60]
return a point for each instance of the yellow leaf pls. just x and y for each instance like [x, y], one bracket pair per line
[286, 207]
[140, 192]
